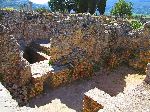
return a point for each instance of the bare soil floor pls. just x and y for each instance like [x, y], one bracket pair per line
[69, 98]
[112, 83]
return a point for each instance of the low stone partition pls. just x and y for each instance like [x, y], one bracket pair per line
[135, 99]
[94, 100]
[147, 79]
[66, 74]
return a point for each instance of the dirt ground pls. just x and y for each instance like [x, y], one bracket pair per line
[69, 98]
[112, 83]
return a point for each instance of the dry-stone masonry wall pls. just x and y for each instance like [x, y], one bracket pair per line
[147, 79]
[15, 71]
[96, 100]
[56, 49]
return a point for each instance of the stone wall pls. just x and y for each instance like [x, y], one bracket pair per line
[94, 100]
[147, 79]
[83, 37]
[78, 45]
[12, 64]
[15, 71]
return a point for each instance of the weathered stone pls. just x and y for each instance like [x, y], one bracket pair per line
[147, 79]
[147, 25]
[74, 46]
[94, 100]
[12, 64]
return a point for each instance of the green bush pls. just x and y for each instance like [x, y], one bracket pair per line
[42, 10]
[50, 63]
[136, 24]
[79, 6]
[122, 9]
[8, 9]
[1, 16]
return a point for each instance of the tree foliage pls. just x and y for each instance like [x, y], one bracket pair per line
[83, 6]
[122, 9]
[71, 4]
[101, 6]
[92, 6]
[57, 5]
[79, 6]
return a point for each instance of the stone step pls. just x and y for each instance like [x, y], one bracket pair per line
[41, 47]
[44, 55]
[94, 100]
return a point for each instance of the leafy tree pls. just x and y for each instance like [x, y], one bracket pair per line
[72, 4]
[83, 6]
[122, 9]
[101, 6]
[92, 6]
[80, 6]
[57, 5]
[63, 5]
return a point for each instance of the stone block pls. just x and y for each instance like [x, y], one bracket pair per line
[147, 79]
[94, 100]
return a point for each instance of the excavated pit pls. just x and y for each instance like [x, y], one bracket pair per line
[32, 56]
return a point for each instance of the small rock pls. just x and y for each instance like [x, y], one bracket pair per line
[28, 105]
[147, 25]
[15, 86]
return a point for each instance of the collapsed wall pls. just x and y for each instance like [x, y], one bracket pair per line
[56, 49]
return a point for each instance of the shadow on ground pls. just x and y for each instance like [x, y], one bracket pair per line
[72, 95]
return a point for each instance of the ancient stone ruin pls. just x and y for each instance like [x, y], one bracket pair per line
[51, 50]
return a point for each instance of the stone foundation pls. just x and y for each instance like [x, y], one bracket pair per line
[51, 49]
[147, 79]
[94, 100]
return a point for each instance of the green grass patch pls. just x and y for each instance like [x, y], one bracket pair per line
[50, 63]
[1, 16]
[136, 24]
